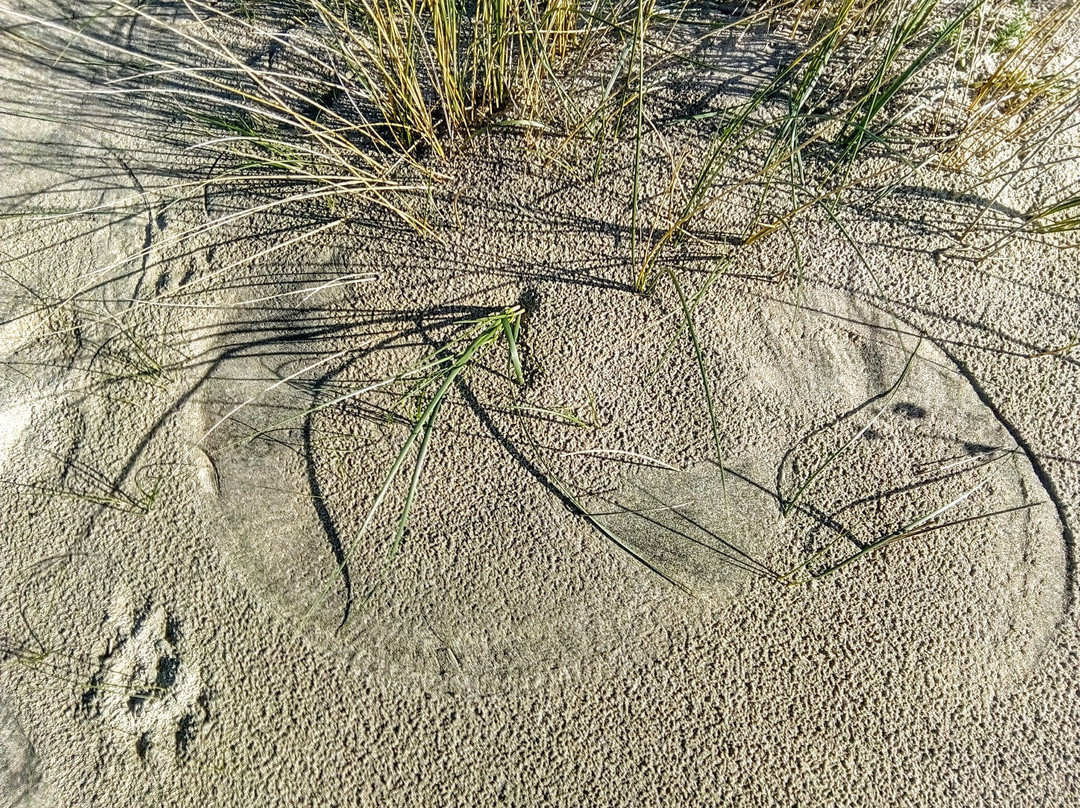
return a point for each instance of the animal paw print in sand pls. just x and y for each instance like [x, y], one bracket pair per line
[145, 686]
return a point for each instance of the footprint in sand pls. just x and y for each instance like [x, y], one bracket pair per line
[145, 686]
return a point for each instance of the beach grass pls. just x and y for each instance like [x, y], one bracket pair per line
[373, 100]
[429, 392]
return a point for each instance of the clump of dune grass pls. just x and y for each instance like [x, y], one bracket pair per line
[343, 104]
[1027, 91]
[889, 80]
[840, 93]
[855, 90]
[437, 71]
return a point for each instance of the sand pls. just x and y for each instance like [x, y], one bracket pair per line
[177, 623]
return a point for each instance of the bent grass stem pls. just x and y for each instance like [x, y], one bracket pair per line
[485, 332]
[791, 503]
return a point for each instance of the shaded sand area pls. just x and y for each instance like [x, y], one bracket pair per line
[589, 604]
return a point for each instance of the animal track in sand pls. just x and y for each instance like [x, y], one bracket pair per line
[146, 686]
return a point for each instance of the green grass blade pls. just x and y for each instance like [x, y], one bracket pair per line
[688, 316]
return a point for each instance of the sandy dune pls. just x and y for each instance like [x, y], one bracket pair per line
[192, 613]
